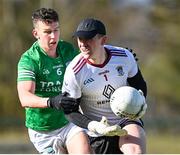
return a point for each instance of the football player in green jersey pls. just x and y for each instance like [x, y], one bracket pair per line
[40, 75]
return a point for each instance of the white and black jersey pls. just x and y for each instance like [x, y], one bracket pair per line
[95, 83]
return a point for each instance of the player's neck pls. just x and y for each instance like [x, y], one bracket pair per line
[52, 53]
[99, 57]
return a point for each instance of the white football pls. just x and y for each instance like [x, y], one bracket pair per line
[128, 102]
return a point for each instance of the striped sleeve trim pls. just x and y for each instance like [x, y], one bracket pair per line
[79, 65]
[116, 52]
[26, 74]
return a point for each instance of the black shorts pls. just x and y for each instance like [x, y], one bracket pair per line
[105, 145]
[110, 145]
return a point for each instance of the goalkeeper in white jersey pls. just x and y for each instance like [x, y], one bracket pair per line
[93, 75]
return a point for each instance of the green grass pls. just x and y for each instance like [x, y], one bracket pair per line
[163, 143]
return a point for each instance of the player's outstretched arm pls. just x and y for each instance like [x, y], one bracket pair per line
[102, 127]
[70, 107]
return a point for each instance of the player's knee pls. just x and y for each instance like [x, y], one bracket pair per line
[132, 149]
[83, 144]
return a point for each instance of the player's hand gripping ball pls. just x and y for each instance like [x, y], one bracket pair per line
[128, 102]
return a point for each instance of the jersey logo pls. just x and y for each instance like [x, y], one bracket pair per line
[108, 90]
[103, 102]
[120, 70]
[46, 71]
[88, 81]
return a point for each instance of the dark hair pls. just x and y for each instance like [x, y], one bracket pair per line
[45, 14]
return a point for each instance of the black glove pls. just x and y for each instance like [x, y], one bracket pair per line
[63, 102]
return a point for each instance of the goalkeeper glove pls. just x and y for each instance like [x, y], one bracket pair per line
[103, 128]
[63, 102]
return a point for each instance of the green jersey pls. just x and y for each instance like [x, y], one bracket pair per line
[48, 73]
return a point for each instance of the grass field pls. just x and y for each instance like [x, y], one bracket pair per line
[157, 143]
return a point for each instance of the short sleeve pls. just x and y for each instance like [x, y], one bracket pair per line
[26, 69]
[133, 67]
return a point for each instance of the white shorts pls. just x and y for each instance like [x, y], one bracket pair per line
[53, 142]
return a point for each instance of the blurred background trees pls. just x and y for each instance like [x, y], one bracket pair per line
[150, 27]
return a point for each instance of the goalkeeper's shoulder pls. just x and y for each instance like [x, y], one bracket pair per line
[132, 52]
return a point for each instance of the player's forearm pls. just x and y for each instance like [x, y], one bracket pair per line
[78, 119]
[138, 82]
[28, 99]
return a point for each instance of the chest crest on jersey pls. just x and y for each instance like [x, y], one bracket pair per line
[120, 70]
